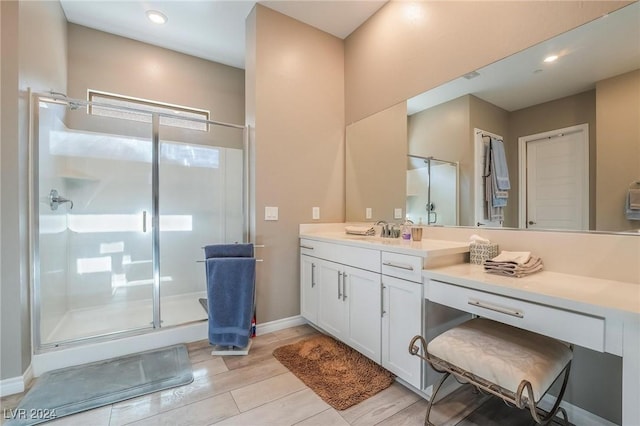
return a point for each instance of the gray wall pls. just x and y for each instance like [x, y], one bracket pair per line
[376, 158]
[34, 56]
[556, 114]
[295, 105]
[114, 64]
[618, 150]
[445, 131]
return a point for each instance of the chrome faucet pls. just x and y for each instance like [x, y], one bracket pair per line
[387, 231]
[55, 200]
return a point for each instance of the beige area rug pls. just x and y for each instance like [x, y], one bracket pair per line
[341, 376]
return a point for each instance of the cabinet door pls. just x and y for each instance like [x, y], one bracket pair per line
[362, 292]
[401, 320]
[308, 289]
[332, 310]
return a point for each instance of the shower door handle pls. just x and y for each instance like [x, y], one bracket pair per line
[144, 221]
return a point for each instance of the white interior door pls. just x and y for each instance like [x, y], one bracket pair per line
[556, 191]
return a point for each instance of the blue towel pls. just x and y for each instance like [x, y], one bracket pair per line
[499, 164]
[228, 250]
[230, 290]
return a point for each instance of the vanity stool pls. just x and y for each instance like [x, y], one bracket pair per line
[514, 364]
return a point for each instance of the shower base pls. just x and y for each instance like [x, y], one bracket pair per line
[100, 320]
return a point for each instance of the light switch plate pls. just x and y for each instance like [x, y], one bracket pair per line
[368, 213]
[270, 213]
[315, 213]
[397, 213]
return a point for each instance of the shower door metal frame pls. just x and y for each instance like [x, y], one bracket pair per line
[456, 164]
[34, 212]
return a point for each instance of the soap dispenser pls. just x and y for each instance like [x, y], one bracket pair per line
[406, 230]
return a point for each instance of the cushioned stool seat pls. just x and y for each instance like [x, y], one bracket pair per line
[503, 360]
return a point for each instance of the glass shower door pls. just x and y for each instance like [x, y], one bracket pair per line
[200, 203]
[94, 272]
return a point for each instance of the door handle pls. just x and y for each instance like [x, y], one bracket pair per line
[382, 311]
[339, 294]
[531, 222]
[344, 286]
[144, 221]
[313, 275]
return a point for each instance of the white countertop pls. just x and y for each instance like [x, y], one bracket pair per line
[570, 292]
[424, 248]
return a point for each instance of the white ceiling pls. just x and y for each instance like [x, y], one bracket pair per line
[215, 30]
[211, 29]
[604, 48]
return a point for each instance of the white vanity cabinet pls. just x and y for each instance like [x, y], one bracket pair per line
[368, 293]
[348, 308]
[401, 315]
[342, 298]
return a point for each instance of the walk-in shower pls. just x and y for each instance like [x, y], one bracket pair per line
[121, 207]
[432, 191]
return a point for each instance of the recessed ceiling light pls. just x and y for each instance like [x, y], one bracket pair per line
[551, 58]
[156, 17]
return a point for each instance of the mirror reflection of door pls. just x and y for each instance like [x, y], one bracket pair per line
[556, 190]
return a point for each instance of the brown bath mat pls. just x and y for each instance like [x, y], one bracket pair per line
[341, 376]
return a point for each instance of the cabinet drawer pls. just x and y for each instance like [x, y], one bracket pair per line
[357, 257]
[583, 330]
[402, 266]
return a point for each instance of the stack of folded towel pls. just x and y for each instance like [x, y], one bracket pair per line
[513, 264]
[360, 230]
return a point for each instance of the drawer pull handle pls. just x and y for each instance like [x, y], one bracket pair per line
[306, 247]
[485, 305]
[395, 265]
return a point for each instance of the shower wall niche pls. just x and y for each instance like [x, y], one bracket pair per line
[94, 255]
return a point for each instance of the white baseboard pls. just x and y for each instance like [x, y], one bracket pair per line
[15, 385]
[577, 415]
[281, 324]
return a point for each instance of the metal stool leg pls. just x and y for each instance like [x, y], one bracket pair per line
[433, 399]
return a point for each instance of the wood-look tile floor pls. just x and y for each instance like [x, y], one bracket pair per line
[258, 390]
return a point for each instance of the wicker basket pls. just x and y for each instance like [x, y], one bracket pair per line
[479, 252]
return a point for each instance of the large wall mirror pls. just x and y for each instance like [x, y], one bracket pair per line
[570, 129]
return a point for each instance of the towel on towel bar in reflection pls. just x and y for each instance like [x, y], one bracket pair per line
[632, 204]
[230, 293]
[499, 164]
